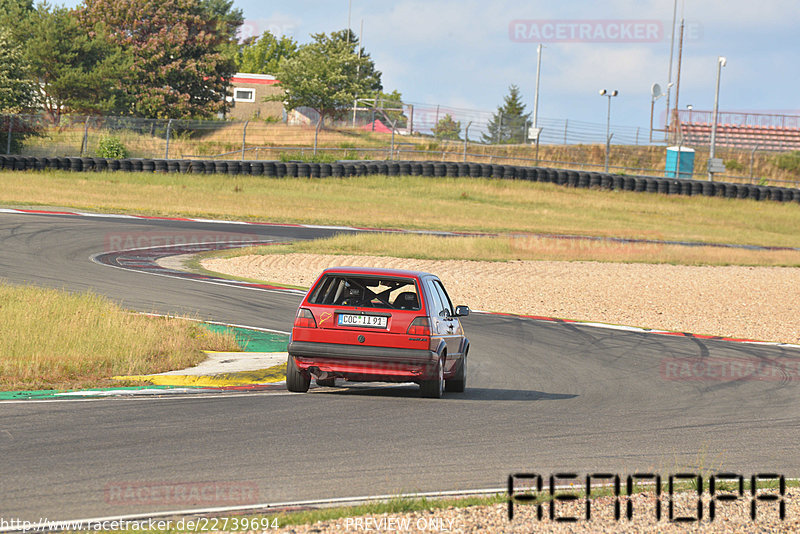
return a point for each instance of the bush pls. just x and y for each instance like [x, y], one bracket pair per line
[111, 147]
[788, 161]
[318, 158]
[733, 165]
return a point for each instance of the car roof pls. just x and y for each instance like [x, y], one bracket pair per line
[374, 271]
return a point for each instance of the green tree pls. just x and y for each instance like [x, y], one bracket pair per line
[391, 105]
[327, 74]
[263, 55]
[228, 20]
[11, 13]
[509, 124]
[17, 92]
[447, 128]
[75, 72]
[181, 59]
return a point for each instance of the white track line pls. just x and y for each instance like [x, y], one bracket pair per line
[320, 503]
[150, 398]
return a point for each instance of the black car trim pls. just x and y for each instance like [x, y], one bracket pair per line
[356, 311]
[311, 349]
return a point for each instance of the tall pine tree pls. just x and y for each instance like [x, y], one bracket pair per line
[74, 72]
[17, 91]
[182, 52]
[509, 124]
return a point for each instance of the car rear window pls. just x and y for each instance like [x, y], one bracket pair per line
[366, 292]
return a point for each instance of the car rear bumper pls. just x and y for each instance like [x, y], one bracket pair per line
[364, 363]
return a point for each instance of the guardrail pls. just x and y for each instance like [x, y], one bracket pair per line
[564, 177]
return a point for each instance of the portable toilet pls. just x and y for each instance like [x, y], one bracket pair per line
[680, 159]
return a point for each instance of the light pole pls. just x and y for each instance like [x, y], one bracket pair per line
[721, 61]
[609, 94]
[655, 94]
[669, 76]
[536, 95]
[536, 100]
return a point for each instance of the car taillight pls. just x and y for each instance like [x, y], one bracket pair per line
[421, 326]
[305, 319]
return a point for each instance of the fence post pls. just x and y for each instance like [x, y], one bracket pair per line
[8, 140]
[166, 150]
[85, 142]
[244, 136]
[566, 123]
[752, 160]
[393, 125]
[466, 140]
[316, 132]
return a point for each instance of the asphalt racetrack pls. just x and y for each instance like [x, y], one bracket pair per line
[541, 397]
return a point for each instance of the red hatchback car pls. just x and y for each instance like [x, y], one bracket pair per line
[378, 325]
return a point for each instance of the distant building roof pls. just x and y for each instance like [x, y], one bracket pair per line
[252, 78]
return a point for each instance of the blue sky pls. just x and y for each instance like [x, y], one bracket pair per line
[460, 52]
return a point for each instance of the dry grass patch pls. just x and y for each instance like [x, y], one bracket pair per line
[58, 340]
[466, 204]
[511, 248]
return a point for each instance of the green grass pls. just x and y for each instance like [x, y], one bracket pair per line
[397, 505]
[72, 341]
[463, 204]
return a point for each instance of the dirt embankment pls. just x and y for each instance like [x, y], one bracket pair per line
[760, 303]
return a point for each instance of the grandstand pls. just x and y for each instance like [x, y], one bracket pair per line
[742, 130]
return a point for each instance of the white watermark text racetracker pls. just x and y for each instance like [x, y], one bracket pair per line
[594, 31]
[117, 241]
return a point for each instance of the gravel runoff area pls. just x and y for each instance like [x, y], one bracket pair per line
[729, 517]
[758, 303]
[747, 302]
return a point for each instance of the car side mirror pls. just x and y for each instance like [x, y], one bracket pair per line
[462, 311]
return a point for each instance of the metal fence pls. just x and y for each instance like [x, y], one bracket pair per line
[579, 145]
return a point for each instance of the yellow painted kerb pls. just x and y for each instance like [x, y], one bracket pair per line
[273, 374]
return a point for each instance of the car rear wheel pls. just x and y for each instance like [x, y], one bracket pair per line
[458, 383]
[433, 389]
[326, 382]
[296, 380]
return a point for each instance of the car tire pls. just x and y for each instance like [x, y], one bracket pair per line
[458, 383]
[326, 382]
[433, 389]
[296, 381]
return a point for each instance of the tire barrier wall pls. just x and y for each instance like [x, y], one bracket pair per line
[563, 177]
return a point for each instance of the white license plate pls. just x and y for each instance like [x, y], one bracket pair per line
[371, 321]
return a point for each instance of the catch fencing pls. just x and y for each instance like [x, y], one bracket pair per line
[259, 140]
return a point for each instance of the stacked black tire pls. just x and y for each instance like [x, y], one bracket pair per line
[437, 169]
